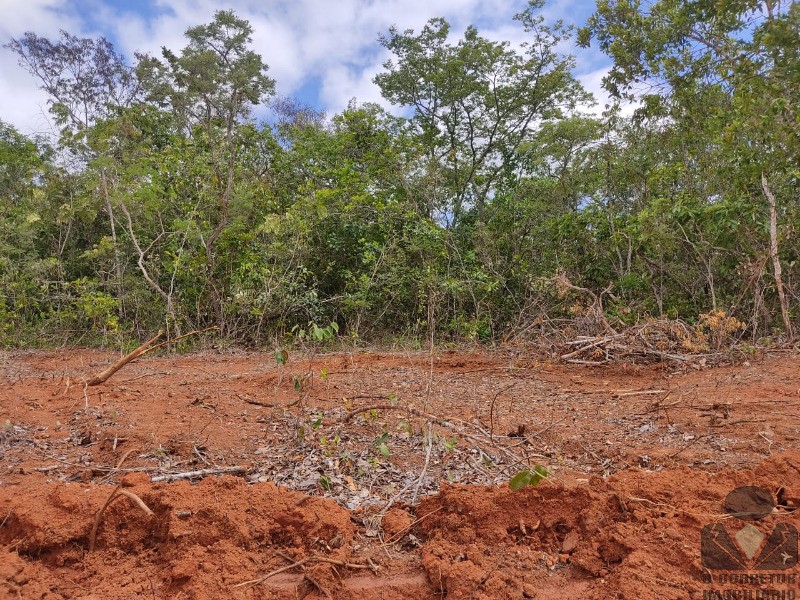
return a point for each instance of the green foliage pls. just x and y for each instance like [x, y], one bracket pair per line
[315, 333]
[85, 79]
[318, 421]
[380, 444]
[720, 80]
[96, 308]
[528, 477]
[216, 79]
[444, 226]
[281, 357]
[476, 103]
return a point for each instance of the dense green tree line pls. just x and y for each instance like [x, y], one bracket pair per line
[165, 204]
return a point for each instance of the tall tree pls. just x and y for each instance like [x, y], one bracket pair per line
[86, 81]
[475, 102]
[726, 71]
[21, 163]
[212, 87]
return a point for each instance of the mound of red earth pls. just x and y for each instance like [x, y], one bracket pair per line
[636, 534]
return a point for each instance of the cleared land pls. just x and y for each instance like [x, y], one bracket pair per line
[367, 475]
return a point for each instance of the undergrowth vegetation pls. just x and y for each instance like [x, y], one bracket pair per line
[499, 209]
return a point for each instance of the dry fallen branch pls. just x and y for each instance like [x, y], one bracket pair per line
[124, 458]
[650, 340]
[491, 408]
[102, 377]
[118, 466]
[410, 409]
[638, 393]
[99, 517]
[113, 496]
[309, 559]
[563, 283]
[594, 344]
[577, 361]
[148, 346]
[139, 502]
[715, 516]
[200, 473]
[317, 584]
[250, 400]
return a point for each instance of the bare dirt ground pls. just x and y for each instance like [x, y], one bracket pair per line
[366, 475]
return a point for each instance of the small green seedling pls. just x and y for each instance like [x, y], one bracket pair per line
[281, 357]
[315, 332]
[380, 444]
[528, 477]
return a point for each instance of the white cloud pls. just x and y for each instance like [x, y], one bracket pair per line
[23, 104]
[593, 82]
[340, 84]
[46, 17]
[333, 43]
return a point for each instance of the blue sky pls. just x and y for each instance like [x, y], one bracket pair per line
[323, 52]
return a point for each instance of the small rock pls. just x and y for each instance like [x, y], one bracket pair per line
[570, 541]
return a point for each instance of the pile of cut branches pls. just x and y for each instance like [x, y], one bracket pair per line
[651, 340]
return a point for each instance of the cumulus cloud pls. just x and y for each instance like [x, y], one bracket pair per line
[24, 105]
[307, 43]
[593, 82]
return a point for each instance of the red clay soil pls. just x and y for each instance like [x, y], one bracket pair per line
[389, 502]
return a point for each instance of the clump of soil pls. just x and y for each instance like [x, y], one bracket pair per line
[635, 535]
[202, 539]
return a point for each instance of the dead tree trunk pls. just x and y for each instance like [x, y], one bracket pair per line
[773, 251]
